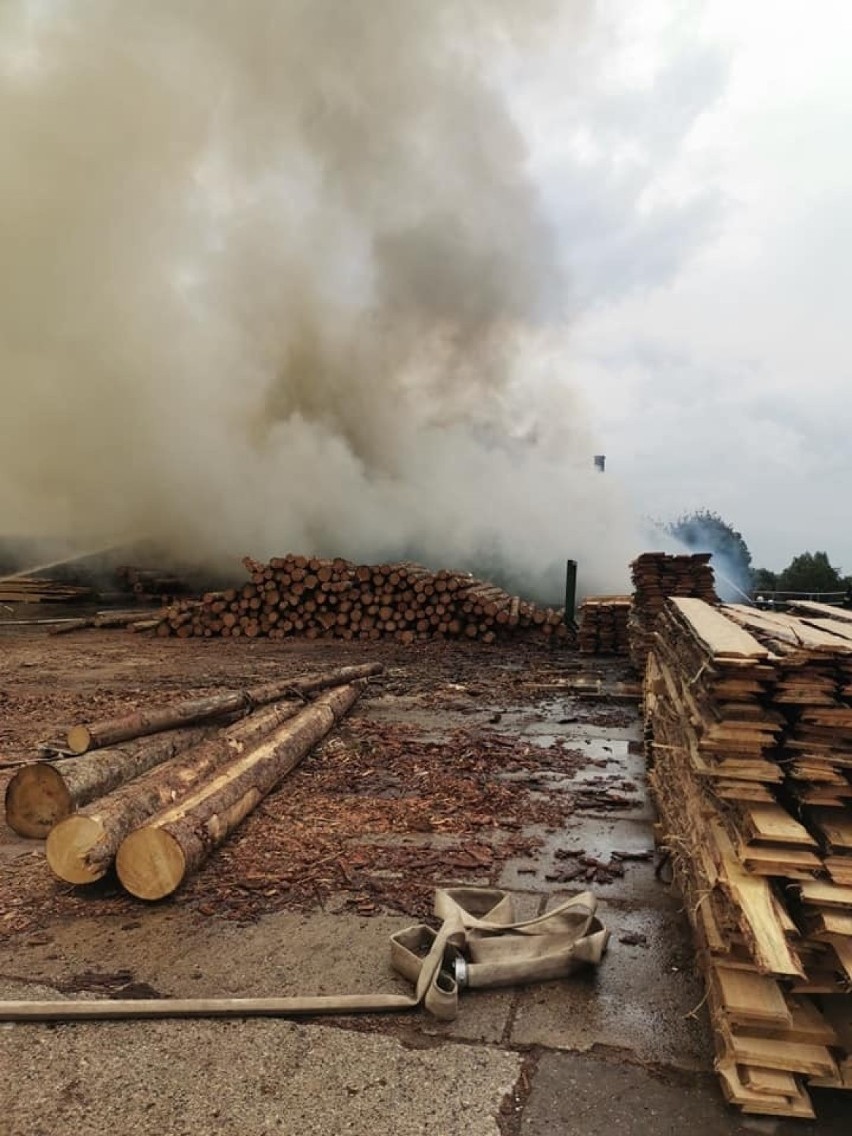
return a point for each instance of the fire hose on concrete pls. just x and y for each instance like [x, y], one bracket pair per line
[479, 945]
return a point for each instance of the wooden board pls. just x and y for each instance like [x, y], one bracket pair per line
[775, 1082]
[830, 921]
[772, 823]
[840, 869]
[842, 948]
[749, 998]
[826, 611]
[836, 827]
[760, 1102]
[771, 1053]
[760, 911]
[794, 863]
[807, 1025]
[823, 894]
[789, 629]
[718, 634]
[833, 627]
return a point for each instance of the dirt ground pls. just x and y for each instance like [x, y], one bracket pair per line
[518, 767]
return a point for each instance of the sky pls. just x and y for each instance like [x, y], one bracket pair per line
[697, 166]
[416, 258]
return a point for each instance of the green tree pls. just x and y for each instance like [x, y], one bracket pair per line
[811, 572]
[763, 580]
[705, 531]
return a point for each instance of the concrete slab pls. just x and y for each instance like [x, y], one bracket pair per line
[644, 998]
[597, 838]
[180, 953]
[582, 732]
[579, 1095]
[484, 1016]
[182, 1078]
[612, 765]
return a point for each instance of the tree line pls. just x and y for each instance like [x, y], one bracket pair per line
[809, 572]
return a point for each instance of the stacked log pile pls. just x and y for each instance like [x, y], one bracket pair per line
[155, 792]
[150, 583]
[656, 576]
[317, 598]
[747, 715]
[603, 625]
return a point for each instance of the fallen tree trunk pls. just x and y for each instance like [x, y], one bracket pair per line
[82, 738]
[42, 794]
[81, 848]
[153, 861]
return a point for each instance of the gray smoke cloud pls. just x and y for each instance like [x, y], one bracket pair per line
[276, 278]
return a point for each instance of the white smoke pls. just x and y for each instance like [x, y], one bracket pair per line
[276, 278]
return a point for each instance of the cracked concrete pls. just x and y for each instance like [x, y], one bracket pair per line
[625, 1049]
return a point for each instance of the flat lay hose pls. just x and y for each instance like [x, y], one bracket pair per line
[478, 945]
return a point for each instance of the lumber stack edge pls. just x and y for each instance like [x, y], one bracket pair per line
[748, 721]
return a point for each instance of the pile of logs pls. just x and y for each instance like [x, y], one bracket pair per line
[155, 792]
[603, 625]
[749, 727]
[656, 576]
[315, 598]
[25, 589]
[150, 583]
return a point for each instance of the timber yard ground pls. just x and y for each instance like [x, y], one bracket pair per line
[461, 764]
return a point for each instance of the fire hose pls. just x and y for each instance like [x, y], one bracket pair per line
[479, 945]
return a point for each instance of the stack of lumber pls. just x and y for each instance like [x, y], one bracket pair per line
[656, 576]
[150, 583]
[155, 792]
[727, 718]
[26, 589]
[316, 598]
[814, 663]
[603, 625]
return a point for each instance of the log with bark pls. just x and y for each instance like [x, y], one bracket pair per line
[154, 860]
[82, 738]
[321, 598]
[42, 794]
[81, 848]
[108, 619]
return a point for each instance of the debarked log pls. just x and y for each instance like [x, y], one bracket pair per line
[140, 723]
[81, 848]
[153, 861]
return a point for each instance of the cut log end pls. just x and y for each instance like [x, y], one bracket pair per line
[79, 739]
[150, 863]
[37, 799]
[68, 846]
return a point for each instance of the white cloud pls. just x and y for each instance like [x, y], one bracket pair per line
[700, 173]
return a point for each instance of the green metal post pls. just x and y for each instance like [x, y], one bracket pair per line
[570, 591]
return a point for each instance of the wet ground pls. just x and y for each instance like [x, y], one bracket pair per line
[515, 767]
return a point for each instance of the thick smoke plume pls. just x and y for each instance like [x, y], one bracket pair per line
[275, 278]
